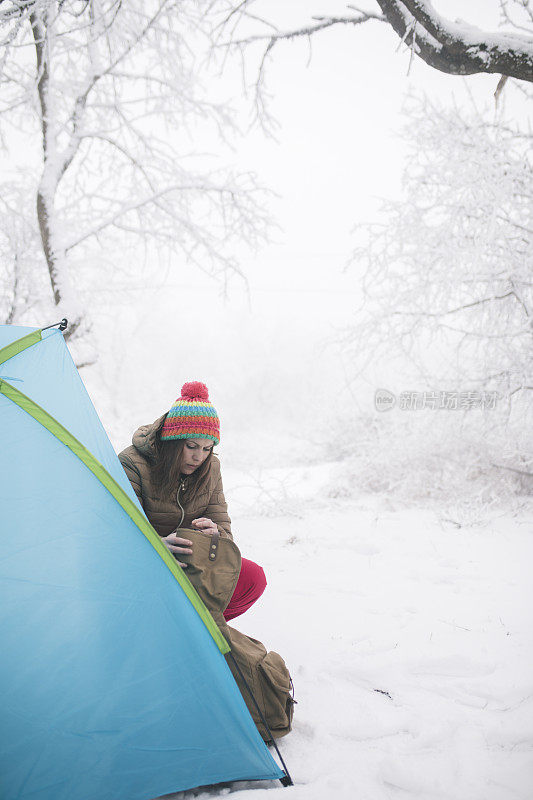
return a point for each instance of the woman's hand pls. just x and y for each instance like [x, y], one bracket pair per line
[177, 546]
[204, 524]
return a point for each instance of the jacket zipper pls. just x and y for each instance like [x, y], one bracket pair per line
[180, 487]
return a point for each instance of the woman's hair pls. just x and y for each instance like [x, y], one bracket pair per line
[167, 468]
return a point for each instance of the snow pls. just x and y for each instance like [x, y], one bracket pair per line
[471, 35]
[408, 639]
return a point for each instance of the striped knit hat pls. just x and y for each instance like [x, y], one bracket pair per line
[192, 415]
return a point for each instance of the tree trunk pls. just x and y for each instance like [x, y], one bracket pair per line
[48, 184]
[44, 209]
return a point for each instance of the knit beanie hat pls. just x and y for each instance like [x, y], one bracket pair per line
[192, 415]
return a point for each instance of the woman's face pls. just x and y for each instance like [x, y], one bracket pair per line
[195, 452]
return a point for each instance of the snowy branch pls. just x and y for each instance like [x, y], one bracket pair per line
[455, 47]
[452, 47]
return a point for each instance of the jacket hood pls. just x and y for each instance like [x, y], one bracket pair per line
[143, 439]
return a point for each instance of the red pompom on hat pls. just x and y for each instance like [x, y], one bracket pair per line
[192, 415]
[194, 391]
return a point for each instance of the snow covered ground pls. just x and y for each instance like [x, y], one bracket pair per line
[409, 641]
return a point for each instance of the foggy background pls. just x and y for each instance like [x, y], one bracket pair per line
[286, 390]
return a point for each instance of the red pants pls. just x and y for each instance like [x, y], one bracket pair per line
[250, 587]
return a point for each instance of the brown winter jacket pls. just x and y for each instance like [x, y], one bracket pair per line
[167, 515]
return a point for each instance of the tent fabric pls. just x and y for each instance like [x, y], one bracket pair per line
[131, 508]
[111, 684]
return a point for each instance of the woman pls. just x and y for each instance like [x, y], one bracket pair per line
[176, 476]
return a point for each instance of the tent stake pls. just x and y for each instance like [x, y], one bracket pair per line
[62, 325]
[286, 780]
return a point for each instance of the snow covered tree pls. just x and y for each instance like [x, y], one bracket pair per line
[453, 259]
[447, 278]
[456, 48]
[105, 99]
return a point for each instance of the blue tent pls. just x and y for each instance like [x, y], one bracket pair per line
[114, 685]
